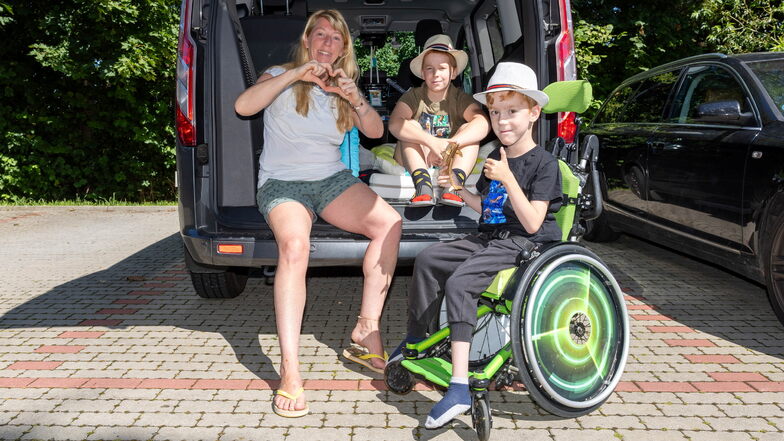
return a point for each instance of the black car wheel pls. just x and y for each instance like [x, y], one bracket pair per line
[774, 265]
[598, 230]
[224, 285]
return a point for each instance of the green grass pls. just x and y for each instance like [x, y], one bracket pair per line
[91, 202]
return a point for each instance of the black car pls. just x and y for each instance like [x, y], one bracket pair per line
[224, 44]
[692, 157]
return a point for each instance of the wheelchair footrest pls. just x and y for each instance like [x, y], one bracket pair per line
[434, 370]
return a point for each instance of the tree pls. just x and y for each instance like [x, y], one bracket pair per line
[735, 26]
[87, 105]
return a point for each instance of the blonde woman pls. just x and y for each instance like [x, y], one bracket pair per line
[310, 103]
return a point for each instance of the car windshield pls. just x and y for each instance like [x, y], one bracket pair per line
[771, 75]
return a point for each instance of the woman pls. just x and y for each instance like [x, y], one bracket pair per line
[310, 103]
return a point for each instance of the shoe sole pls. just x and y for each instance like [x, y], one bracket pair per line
[451, 203]
[421, 204]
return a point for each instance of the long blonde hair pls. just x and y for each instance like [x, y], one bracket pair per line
[347, 62]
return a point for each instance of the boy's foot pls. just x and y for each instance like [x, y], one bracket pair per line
[452, 199]
[456, 401]
[422, 200]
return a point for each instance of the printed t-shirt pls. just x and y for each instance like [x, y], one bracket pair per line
[539, 177]
[442, 118]
[299, 148]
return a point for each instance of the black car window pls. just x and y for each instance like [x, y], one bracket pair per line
[614, 108]
[647, 103]
[771, 75]
[703, 85]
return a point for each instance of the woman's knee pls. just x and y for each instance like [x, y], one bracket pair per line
[294, 250]
[386, 225]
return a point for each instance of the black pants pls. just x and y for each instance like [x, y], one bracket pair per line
[461, 270]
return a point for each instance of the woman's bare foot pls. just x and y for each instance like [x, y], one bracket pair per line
[291, 385]
[367, 334]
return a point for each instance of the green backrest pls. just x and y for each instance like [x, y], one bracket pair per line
[568, 96]
[570, 187]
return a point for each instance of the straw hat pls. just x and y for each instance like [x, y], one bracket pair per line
[516, 77]
[441, 43]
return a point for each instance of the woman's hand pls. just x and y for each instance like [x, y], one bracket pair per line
[346, 88]
[498, 169]
[314, 72]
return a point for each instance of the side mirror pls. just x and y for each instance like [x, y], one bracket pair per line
[726, 112]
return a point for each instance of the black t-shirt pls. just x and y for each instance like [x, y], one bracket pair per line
[538, 175]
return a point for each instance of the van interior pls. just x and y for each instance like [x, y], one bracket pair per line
[246, 36]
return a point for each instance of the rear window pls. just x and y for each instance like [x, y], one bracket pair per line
[647, 103]
[614, 108]
[771, 75]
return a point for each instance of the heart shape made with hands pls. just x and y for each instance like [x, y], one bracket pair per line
[345, 85]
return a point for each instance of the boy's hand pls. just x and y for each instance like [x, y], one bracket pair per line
[498, 170]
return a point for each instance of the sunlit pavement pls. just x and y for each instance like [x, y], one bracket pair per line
[102, 337]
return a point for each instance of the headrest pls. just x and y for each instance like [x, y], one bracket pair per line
[425, 29]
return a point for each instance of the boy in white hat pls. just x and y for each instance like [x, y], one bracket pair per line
[519, 194]
[428, 118]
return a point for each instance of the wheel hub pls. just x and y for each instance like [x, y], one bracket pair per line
[580, 328]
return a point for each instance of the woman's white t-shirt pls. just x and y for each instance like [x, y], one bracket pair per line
[298, 148]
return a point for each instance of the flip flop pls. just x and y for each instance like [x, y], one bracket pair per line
[296, 413]
[360, 354]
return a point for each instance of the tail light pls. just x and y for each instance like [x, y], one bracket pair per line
[186, 72]
[566, 69]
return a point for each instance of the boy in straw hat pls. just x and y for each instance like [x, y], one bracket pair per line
[428, 118]
[519, 193]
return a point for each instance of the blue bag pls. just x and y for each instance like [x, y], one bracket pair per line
[349, 151]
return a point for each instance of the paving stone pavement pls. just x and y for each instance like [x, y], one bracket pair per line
[102, 338]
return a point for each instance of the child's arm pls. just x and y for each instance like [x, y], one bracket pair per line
[530, 213]
[476, 127]
[404, 128]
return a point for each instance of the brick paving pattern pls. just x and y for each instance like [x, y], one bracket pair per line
[102, 338]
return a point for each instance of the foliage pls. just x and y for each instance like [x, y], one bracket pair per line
[735, 26]
[397, 47]
[86, 109]
[615, 40]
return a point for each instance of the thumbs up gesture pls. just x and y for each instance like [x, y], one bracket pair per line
[498, 169]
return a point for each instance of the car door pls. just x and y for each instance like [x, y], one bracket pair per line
[696, 160]
[625, 125]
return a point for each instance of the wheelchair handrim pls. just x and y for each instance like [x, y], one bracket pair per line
[567, 359]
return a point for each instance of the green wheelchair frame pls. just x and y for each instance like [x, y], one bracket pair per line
[557, 321]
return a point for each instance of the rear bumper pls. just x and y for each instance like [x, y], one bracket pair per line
[323, 251]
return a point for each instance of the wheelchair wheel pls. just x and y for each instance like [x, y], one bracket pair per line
[481, 418]
[398, 379]
[490, 335]
[570, 331]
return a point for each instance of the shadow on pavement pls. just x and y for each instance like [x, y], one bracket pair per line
[694, 293]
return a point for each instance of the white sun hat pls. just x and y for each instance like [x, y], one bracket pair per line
[516, 77]
[441, 43]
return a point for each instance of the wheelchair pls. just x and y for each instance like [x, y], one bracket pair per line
[557, 321]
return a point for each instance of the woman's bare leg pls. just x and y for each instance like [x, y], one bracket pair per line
[359, 210]
[291, 223]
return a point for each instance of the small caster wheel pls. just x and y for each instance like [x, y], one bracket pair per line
[480, 416]
[398, 379]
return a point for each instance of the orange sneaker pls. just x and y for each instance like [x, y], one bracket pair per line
[422, 200]
[451, 199]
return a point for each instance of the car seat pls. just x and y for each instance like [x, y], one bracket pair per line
[424, 30]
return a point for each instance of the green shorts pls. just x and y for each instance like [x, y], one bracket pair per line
[314, 195]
